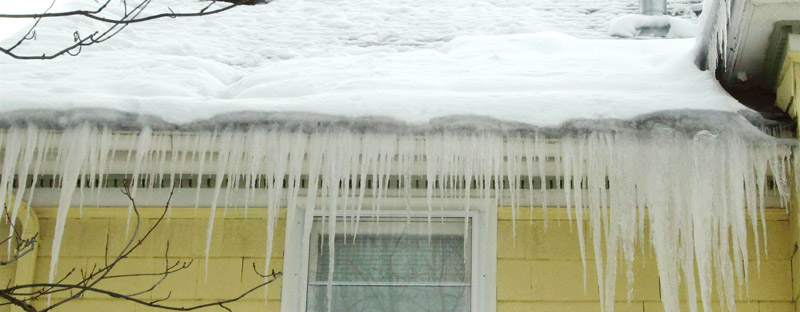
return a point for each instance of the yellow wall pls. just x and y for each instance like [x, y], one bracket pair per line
[794, 221]
[787, 94]
[7, 272]
[793, 238]
[237, 244]
[544, 272]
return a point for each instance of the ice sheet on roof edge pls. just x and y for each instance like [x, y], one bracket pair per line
[715, 182]
[746, 123]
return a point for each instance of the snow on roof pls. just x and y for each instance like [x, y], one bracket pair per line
[631, 25]
[413, 61]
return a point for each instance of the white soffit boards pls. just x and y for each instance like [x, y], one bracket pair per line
[752, 23]
[794, 43]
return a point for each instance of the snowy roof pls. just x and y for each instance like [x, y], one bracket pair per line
[412, 61]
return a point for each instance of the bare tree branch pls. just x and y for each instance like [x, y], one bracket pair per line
[117, 25]
[23, 245]
[93, 14]
[154, 304]
[22, 295]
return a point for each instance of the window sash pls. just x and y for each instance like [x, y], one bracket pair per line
[389, 225]
[409, 284]
[391, 299]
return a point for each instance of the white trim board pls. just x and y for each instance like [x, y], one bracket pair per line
[484, 252]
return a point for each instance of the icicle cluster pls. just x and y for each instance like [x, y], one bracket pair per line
[712, 38]
[700, 197]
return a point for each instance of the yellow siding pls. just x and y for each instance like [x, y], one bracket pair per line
[787, 97]
[539, 271]
[794, 237]
[7, 272]
[794, 211]
[543, 272]
[237, 243]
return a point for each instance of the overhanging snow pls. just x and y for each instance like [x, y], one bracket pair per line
[542, 79]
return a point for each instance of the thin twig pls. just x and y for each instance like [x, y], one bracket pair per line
[23, 246]
[112, 294]
[22, 295]
[117, 25]
[93, 14]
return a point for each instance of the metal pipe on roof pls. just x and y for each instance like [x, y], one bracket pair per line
[653, 7]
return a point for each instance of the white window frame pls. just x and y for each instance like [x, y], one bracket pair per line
[483, 257]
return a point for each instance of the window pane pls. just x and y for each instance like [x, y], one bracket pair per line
[389, 299]
[393, 265]
[390, 258]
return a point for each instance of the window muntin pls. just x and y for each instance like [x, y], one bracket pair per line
[392, 265]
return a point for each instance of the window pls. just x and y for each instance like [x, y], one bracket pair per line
[392, 265]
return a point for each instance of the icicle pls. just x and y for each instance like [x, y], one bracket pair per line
[165, 144]
[407, 156]
[541, 160]
[530, 150]
[387, 146]
[699, 192]
[336, 160]
[594, 176]
[277, 158]
[104, 150]
[74, 143]
[369, 156]
[432, 158]
[559, 177]
[446, 162]
[223, 155]
[43, 146]
[142, 147]
[206, 140]
[94, 161]
[512, 175]
[256, 153]
[576, 168]
[319, 142]
[13, 149]
[234, 167]
[86, 176]
[27, 153]
[184, 155]
[296, 157]
[566, 163]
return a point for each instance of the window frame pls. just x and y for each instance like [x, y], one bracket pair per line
[368, 229]
[483, 252]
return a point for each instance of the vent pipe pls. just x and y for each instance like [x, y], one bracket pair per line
[653, 7]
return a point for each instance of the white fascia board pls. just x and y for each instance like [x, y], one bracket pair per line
[794, 42]
[757, 21]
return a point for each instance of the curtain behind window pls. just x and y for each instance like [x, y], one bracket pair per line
[393, 265]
